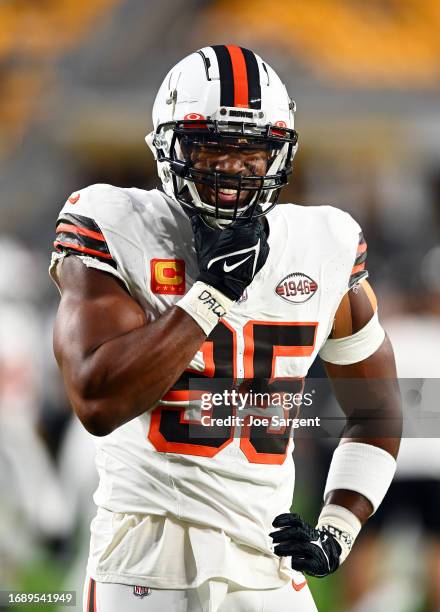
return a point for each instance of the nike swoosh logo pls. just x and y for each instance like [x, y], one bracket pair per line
[253, 251]
[227, 268]
[299, 586]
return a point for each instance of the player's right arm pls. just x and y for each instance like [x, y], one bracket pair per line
[116, 364]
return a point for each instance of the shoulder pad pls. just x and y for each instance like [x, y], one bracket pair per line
[83, 218]
[102, 203]
[349, 233]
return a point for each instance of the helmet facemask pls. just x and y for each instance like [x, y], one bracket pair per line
[201, 189]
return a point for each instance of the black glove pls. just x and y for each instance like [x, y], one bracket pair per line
[313, 551]
[230, 258]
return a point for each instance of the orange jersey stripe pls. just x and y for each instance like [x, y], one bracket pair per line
[67, 227]
[82, 249]
[361, 248]
[241, 92]
[358, 268]
[183, 395]
[176, 396]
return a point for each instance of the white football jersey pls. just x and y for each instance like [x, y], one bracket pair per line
[154, 464]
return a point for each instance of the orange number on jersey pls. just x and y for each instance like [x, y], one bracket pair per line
[170, 430]
[264, 342]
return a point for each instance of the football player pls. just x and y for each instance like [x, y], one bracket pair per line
[209, 278]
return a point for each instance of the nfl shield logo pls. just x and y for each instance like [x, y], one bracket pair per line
[141, 591]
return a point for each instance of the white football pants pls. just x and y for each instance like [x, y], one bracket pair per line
[212, 596]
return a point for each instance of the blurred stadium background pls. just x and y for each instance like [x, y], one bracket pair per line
[77, 81]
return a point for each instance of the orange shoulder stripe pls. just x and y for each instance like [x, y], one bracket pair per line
[358, 268]
[67, 227]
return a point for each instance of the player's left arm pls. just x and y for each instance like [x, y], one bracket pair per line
[368, 393]
[359, 361]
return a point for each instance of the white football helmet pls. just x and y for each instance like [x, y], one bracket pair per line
[223, 95]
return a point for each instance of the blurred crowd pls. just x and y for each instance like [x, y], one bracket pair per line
[368, 144]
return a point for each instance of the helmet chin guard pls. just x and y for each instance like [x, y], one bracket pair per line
[223, 96]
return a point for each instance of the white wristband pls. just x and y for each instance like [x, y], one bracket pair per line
[342, 524]
[364, 468]
[205, 305]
